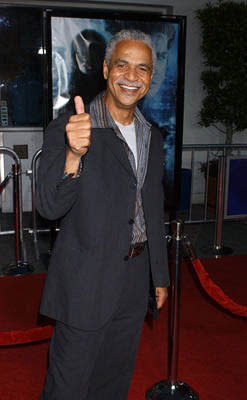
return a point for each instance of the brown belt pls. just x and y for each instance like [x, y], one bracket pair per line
[136, 249]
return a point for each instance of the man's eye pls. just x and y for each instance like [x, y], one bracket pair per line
[121, 66]
[143, 69]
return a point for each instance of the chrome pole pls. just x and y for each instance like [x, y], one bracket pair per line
[218, 249]
[177, 231]
[34, 213]
[172, 389]
[17, 212]
[192, 182]
[21, 265]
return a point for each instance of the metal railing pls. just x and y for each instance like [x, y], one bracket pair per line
[21, 265]
[17, 197]
[211, 152]
[218, 153]
[18, 206]
[193, 155]
[34, 213]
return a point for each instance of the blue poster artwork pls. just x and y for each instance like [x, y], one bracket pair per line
[236, 188]
[78, 47]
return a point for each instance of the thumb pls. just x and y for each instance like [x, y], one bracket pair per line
[79, 105]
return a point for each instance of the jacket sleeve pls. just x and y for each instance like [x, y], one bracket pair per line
[154, 212]
[55, 194]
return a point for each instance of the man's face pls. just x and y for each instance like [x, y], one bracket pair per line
[129, 74]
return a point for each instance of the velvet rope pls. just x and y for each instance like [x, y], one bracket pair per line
[216, 292]
[26, 335]
[44, 332]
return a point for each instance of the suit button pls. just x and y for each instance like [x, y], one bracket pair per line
[126, 258]
[131, 221]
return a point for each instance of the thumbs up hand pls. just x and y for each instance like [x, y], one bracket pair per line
[79, 105]
[78, 131]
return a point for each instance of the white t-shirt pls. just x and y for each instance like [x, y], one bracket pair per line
[129, 134]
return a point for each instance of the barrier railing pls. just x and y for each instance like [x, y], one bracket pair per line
[34, 213]
[21, 265]
[220, 152]
[52, 226]
[33, 229]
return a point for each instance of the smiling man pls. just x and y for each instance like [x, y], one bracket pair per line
[129, 73]
[101, 173]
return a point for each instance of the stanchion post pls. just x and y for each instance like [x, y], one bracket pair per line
[15, 170]
[177, 230]
[218, 249]
[52, 229]
[21, 265]
[172, 389]
[34, 213]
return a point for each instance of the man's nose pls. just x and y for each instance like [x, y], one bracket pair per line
[131, 74]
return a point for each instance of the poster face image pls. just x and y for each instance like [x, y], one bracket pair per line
[78, 48]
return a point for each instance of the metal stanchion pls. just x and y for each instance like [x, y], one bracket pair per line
[17, 214]
[218, 249]
[34, 214]
[21, 265]
[172, 389]
[52, 225]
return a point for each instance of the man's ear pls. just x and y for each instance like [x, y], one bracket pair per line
[105, 70]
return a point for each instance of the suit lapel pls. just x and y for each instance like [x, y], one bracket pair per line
[116, 145]
[150, 164]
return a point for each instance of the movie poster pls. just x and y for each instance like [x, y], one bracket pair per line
[78, 48]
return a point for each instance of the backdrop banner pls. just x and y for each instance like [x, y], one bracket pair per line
[77, 48]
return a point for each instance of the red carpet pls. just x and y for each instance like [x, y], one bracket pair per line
[19, 301]
[20, 321]
[213, 343]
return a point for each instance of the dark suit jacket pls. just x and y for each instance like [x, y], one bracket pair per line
[84, 278]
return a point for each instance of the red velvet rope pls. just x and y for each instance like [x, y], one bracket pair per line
[43, 333]
[216, 292]
[26, 335]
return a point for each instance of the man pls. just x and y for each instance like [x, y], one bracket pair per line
[101, 172]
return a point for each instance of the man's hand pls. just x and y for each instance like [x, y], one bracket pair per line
[78, 131]
[161, 296]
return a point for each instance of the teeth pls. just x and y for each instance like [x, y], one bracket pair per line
[129, 87]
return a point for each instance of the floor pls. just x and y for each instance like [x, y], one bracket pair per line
[200, 235]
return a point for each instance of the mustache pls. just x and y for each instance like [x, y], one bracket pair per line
[128, 83]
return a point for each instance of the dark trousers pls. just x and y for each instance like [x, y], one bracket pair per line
[98, 365]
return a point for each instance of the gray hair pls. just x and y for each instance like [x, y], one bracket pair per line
[129, 35]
